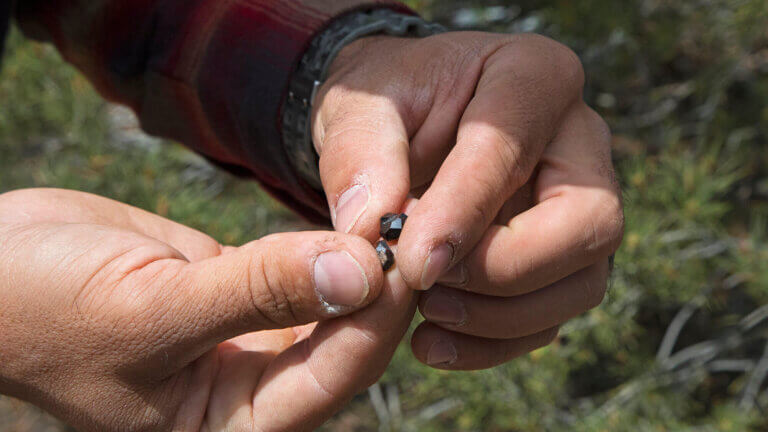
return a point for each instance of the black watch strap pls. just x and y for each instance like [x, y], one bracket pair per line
[313, 69]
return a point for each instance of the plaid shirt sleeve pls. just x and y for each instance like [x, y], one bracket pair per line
[211, 74]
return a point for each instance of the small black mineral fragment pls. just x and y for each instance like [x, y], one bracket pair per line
[392, 225]
[385, 254]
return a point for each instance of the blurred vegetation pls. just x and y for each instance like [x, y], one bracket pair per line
[680, 344]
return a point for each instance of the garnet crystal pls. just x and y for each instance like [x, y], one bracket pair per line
[392, 225]
[385, 254]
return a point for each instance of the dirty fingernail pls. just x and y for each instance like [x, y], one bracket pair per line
[436, 265]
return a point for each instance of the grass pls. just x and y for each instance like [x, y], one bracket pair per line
[684, 87]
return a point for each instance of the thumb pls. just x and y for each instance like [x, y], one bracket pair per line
[363, 146]
[280, 281]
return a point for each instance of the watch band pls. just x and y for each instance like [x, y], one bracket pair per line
[313, 70]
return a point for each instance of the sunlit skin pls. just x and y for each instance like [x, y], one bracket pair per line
[513, 171]
[117, 319]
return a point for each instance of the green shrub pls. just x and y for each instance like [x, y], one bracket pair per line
[684, 86]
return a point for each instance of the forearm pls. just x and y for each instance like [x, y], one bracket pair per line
[209, 74]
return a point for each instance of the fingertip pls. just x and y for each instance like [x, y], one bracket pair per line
[437, 264]
[421, 261]
[368, 263]
[435, 347]
[359, 207]
[447, 350]
[388, 195]
[323, 274]
[340, 279]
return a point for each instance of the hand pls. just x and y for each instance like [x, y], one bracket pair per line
[519, 209]
[117, 319]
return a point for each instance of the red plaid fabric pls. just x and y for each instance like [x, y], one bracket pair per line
[211, 74]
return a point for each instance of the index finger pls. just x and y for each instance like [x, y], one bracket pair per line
[525, 89]
[577, 219]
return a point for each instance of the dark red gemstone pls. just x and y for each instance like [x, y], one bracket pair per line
[392, 225]
[385, 254]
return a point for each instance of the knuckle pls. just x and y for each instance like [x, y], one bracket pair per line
[548, 336]
[564, 61]
[597, 124]
[331, 98]
[329, 112]
[594, 240]
[569, 65]
[122, 287]
[511, 164]
[545, 54]
[607, 221]
[266, 289]
[604, 230]
[594, 289]
[357, 124]
[617, 233]
[614, 225]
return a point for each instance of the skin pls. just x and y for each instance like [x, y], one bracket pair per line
[512, 170]
[117, 319]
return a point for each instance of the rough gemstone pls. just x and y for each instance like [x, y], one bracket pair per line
[392, 225]
[385, 254]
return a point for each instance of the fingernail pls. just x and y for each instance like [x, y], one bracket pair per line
[436, 265]
[441, 353]
[441, 308]
[456, 276]
[350, 206]
[340, 280]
